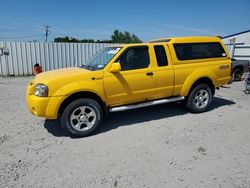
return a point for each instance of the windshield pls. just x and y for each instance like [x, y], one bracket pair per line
[102, 58]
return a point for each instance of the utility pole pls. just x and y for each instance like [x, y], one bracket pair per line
[46, 32]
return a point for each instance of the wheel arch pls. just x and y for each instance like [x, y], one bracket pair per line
[203, 80]
[198, 78]
[82, 94]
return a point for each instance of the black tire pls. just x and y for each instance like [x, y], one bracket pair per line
[85, 113]
[192, 102]
[237, 74]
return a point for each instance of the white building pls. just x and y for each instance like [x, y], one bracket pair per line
[242, 38]
[238, 45]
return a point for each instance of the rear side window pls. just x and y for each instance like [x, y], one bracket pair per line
[161, 56]
[190, 51]
[216, 49]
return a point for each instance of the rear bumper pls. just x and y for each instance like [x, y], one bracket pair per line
[224, 81]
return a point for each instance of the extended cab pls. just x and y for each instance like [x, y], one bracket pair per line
[131, 76]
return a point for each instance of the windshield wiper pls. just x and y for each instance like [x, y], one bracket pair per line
[87, 67]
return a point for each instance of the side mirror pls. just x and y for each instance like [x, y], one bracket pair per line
[116, 67]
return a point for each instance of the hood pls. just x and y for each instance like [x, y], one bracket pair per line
[65, 73]
[57, 79]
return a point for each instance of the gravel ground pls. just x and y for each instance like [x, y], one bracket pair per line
[159, 146]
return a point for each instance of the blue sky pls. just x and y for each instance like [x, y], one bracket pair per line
[24, 20]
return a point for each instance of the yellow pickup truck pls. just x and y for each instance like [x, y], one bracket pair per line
[123, 77]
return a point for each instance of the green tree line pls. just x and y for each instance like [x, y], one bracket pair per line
[116, 37]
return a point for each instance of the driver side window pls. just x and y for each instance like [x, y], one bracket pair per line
[134, 58]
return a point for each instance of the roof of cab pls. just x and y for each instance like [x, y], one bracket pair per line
[188, 39]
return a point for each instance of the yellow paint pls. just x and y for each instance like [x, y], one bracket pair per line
[117, 87]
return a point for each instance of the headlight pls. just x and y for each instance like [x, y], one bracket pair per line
[41, 90]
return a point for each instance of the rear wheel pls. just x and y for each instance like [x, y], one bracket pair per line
[81, 117]
[199, 99]
[237, 74]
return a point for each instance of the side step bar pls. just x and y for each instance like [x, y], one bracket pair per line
[150, 103]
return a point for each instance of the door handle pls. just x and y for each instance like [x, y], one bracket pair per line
[149, 74]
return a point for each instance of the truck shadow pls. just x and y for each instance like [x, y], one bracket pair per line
[140, 115]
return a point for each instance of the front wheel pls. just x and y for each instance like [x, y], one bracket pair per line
[81, 117]
[199, 99]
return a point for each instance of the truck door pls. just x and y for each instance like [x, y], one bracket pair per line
[135, 81]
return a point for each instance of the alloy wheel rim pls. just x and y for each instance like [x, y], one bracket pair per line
[201, 98]
[83, 118]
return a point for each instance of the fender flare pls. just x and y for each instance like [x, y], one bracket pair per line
[196, 75]
[67, 90]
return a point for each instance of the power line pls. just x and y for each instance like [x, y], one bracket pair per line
[47, 32]
[19, 37]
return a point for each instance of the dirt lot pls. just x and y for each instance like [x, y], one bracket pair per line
[159, 146]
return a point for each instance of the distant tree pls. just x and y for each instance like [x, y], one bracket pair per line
[72, 39]
[124, 37]
[87, 41]
[65, 39]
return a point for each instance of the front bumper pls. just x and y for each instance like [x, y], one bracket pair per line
[37, 105]
[44, 106]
